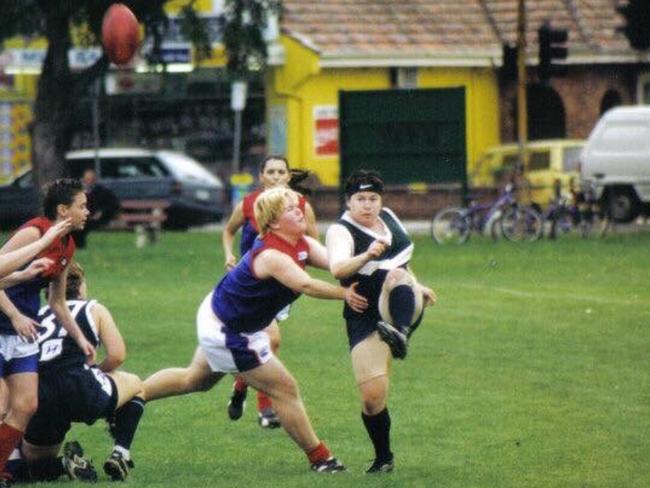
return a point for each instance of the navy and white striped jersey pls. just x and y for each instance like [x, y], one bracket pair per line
[372, 275]
[56, 348]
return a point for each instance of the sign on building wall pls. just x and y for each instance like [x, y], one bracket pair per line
[15, 143]
[326, 130]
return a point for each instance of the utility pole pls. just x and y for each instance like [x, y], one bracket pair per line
[522, 108]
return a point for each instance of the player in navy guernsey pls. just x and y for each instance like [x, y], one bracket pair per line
[232, 318]
[63, 199]
[70, 390]
[274, 172]
[370, 246]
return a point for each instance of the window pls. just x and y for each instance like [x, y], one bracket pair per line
[571, 158]
[78, 166]
[539, 160]
[132, 168]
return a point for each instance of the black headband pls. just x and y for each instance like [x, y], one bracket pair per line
[375, 187]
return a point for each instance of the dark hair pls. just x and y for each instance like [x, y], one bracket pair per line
[297, 177]
[59, 192]
[364, 180]
[272, 157]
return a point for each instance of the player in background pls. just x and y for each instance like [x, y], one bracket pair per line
[63, 199]
[274, 172]
[71, 391]
[370, 246]
[232, 318]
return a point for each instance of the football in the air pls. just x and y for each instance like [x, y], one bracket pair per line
[120, 34]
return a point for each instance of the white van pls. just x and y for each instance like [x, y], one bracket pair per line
[615, 162]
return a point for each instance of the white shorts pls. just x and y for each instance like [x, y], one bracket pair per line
[228, 351]
[17, 355]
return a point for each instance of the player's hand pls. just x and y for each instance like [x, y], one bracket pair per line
[57, 230]
[87, 348]
[25, 327]
[36, 267]
[377, 248]
[231, 262]
[357, 302]
[429, 296]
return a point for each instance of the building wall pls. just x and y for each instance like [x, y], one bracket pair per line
[581, 91]
[300, 88]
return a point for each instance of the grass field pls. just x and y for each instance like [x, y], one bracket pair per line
[532, 371]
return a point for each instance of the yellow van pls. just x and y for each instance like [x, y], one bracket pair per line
[549, 160]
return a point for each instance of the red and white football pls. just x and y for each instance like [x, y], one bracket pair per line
[120, 34]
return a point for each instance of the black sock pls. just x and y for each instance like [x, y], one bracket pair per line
[401, 304]
[378, 427]
[46, 469]
[127, 418]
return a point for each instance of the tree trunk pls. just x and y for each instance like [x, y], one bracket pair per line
[54, 104]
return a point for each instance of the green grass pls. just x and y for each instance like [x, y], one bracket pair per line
[532, 371]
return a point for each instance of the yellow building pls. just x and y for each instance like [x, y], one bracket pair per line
[329, 47]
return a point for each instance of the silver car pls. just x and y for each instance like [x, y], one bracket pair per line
[195, 195]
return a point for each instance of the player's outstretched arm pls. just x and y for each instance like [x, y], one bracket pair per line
[35, 268]
[110, 336]
[274, 264]
[26, 244]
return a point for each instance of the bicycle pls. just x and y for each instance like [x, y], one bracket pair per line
[515, 222]
[579, 211]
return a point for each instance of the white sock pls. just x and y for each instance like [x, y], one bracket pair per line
[126, 454]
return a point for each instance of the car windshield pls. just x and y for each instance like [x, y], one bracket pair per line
[184, 167]
[22, 181]
[571, 158]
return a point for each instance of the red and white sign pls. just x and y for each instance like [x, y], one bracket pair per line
[326, 130]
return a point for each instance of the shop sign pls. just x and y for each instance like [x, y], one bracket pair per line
[326, 130]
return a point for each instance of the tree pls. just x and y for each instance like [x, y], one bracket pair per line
[59, 88]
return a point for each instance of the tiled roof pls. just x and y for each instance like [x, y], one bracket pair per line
[451, 28]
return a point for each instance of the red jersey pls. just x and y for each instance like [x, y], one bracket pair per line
[60, 251]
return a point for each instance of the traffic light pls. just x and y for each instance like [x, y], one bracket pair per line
[637, 23]
[552, 47]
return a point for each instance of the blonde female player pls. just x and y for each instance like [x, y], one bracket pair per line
[274, 172]
[232, 318]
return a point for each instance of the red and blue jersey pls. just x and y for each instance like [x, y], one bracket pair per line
[249, 231]
[26, 295]
[246, 303]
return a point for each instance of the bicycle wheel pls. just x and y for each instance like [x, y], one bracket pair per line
[450, 226]
[521, 224]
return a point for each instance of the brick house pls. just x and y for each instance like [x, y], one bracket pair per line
[340, 45]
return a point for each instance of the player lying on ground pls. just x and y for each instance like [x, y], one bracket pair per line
[232, 318]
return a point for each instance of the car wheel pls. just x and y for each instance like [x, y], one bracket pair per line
[622, 205]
